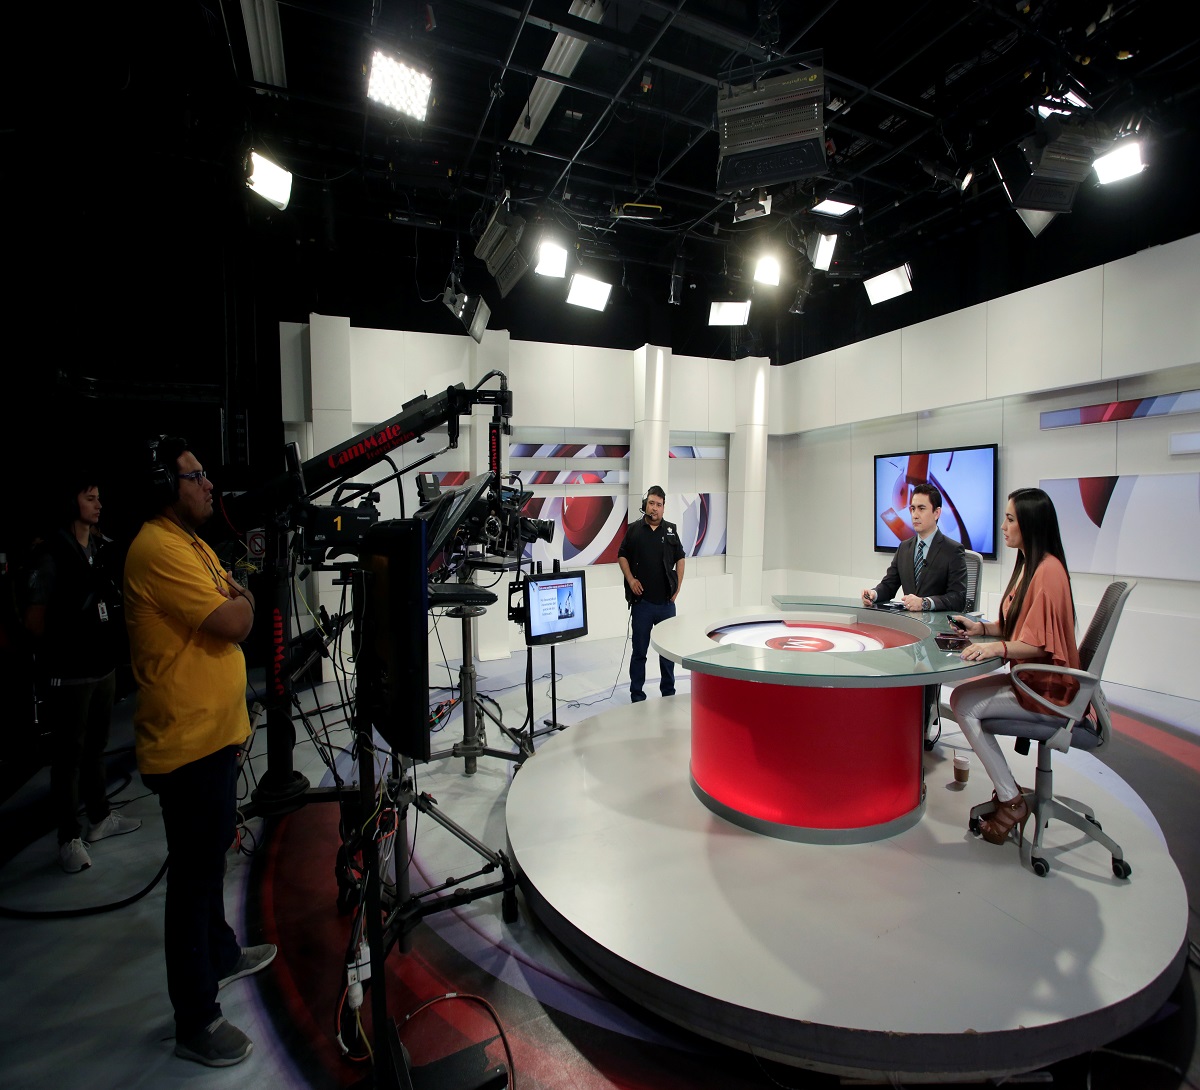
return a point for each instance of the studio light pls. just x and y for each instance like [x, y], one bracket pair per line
[1124, 161]
[942, 173]
[475, 317]
[771, 129]
[552, 259]
[586, 291]
[269, 181]
[397, 85]
[752, 208]
[829, 207]
[1036, 221]
[889, 284]
[471, 310]
[675, 298]
[767, 270]
[499, 250]
[1043, 171]
[729, 312]
[821, 248]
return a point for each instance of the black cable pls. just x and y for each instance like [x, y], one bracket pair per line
[76, 913]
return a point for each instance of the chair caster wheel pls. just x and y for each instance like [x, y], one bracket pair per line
[974, 827]
[1121, 869]
[1040, 867]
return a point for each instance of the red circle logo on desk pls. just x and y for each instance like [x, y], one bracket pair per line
[799, 643]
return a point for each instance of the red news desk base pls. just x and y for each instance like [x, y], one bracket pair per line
[819, 765]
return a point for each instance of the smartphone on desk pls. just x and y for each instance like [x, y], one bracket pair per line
[951, 641]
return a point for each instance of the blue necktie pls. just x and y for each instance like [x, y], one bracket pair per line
[919, 564]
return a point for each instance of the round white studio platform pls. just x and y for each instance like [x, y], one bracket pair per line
[929, 954]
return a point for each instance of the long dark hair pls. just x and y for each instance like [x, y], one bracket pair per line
[1038, 522]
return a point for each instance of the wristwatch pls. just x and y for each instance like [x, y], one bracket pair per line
[928, 604]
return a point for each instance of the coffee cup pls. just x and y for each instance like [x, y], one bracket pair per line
[962, 767]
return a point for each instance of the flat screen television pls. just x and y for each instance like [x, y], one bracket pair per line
[555, 607]
[967, 480]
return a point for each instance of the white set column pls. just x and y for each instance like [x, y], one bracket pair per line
[651, 438]
[332, 419]
[748, 480]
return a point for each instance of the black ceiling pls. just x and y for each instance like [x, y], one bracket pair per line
[152, 282]
[124, 174]
[942, 85]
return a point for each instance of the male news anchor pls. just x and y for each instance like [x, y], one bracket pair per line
[651, 558]
[931, 569]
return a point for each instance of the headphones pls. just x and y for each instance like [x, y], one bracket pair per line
[646, 497]
[164, 479]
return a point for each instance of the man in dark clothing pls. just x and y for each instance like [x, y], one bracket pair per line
[651, 558]
[73, 612]
[932, 571]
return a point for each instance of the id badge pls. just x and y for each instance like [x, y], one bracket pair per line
[103, 608]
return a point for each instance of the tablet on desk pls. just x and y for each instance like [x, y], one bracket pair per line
[894, 606]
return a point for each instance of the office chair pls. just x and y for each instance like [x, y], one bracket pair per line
[974, 573]
[1068, 728]
[933, 693]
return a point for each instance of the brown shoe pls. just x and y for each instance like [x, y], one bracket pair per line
[998, 825]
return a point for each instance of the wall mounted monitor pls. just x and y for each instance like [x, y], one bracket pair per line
[555, 607]
[967, 479]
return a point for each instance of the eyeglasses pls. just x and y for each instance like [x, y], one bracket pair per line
[195, 475]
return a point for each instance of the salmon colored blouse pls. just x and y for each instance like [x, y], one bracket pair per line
[1047, 620]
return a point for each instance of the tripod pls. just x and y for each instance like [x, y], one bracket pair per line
[392, 912]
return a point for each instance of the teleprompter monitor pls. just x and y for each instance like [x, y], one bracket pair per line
[967, 479]
[555, 607]
[460, 509]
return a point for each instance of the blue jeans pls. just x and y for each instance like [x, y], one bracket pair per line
[199, 808]
[645, 615]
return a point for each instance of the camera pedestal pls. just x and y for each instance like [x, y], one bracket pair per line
[471, 747]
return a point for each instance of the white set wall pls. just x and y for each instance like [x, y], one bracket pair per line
[1129, 329]
[802, 437]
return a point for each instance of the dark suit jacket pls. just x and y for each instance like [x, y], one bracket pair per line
[944, 577]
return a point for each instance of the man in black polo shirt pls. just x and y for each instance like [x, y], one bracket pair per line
[651, 559]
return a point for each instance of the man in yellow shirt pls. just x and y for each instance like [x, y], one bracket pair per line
[186, 618]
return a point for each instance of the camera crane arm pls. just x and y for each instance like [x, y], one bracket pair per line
[419, 416]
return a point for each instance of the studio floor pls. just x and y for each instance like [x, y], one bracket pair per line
[85, 997]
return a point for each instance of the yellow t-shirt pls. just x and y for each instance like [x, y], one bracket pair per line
[191, 686]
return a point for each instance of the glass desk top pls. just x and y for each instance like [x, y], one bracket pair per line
[686, 640]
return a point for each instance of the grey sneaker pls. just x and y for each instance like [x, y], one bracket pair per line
[73, 856]
[113, 825]
[219, 1044]
[251, 960]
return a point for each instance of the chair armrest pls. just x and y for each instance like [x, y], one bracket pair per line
[1073, 711]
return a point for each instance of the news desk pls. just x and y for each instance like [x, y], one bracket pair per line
[814, 733]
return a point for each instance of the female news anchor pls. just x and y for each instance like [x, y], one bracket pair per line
[1037, 624]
